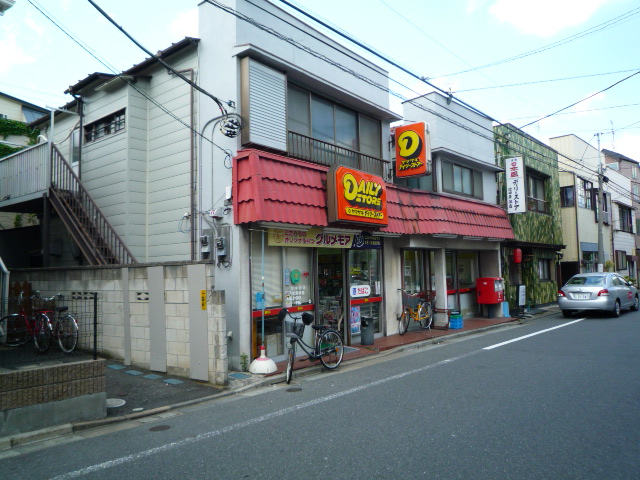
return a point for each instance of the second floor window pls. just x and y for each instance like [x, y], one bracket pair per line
[626, 219]
[567, 196]
[461, 180]
[321, 119]
[584, 189]
[108, 125]
[536, 193]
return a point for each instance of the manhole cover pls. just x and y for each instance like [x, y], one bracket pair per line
[294, 389]
[159, 428]
[115, 402]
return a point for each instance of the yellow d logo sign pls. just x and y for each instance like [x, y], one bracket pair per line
[410, 144]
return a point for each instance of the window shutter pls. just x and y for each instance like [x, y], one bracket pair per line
[264, 106]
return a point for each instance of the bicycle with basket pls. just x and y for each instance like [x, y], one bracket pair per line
[417, 307]
[328, 346]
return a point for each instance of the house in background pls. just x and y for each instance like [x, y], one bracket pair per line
[629, 168]
[16, 134]
[537, 226]
[579, 164]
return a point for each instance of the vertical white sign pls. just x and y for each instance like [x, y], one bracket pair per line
[516, 195]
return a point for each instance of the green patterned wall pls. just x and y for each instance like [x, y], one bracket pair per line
[542, 231]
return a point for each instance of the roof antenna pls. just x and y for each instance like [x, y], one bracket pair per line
[613, 137]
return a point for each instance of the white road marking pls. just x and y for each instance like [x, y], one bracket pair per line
[204, 436]
[531, 335]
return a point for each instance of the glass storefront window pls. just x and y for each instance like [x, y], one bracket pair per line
[288, 281]
[365, 283]
[413, 274]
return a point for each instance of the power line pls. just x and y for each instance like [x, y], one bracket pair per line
[589, 31]
[579, 101]
[544, 81]
[124, 80]
[303, 47]
[159, 60]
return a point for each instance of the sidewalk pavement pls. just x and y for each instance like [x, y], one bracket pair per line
[133, 393]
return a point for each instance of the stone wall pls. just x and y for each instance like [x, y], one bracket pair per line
[43, 396]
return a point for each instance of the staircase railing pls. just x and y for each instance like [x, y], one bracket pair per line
[90, 229]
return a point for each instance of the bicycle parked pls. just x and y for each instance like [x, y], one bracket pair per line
[18, 328]
[328, 346]
[63, 326]
[416, 306]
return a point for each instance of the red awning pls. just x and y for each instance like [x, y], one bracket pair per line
[274, 188]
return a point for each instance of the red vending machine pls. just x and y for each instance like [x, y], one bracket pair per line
[489, 290]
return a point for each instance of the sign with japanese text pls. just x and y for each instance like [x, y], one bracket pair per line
[356, 197]
[516, 195]
[316, 237]
[357, 291]
[413, 152]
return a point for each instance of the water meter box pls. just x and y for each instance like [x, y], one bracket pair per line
[490, 290]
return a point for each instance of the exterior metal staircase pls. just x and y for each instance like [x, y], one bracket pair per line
[87, 225]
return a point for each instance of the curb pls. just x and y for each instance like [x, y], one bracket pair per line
[7, 443]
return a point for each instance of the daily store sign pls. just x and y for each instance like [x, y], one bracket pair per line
[515, 185]
[315, 237]
[413, 152]
[356, 197]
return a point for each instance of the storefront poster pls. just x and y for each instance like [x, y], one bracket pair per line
[354, 320]
[516, 199]
[413, 152]
[316, 237]
[356, 197]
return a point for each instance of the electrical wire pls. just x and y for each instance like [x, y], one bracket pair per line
[299, 45]
[589, 31]
[586, 98]
[159, 60]
[114, 71]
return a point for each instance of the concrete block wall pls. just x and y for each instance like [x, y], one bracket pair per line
[146, 324]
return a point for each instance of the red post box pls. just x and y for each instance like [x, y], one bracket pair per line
[490, 290]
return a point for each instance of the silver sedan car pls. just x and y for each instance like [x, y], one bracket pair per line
[597, 291]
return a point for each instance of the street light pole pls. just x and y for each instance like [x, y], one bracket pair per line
[600, 212]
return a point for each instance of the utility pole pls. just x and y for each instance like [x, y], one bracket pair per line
[600, 212]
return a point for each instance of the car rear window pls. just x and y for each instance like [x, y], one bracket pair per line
[594, 281]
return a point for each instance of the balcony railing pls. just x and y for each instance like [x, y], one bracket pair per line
[317, 151]
[25, 174]
[537, 205]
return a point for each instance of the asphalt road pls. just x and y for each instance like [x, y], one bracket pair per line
[552, 399]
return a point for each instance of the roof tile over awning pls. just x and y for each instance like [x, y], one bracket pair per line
[274, 188]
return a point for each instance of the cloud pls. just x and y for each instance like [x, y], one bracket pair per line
[627, 144]
[544, 18]
[185, 24]
[12, 52]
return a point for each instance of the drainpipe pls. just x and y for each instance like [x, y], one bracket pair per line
[192, 170]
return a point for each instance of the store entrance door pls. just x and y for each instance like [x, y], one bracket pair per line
[331, 287]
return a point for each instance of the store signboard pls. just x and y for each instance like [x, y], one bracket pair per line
[413, 152]
[316, 237]
[516, 195]
[356, 197]
[358, 291]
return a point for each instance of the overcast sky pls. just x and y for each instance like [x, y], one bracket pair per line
[450, 42]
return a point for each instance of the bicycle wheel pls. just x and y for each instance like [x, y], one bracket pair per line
[67, 333]
[403, 322]
[425, 315]
[41, 333]
[331, 349]
[291, 357]
[13, 330]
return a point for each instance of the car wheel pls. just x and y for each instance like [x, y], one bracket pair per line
[616, 309]
[566, 313]
[636, 304]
